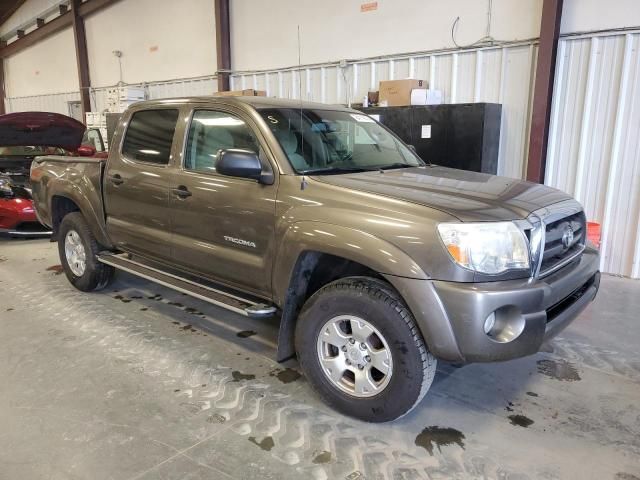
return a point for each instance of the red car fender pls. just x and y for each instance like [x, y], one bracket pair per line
[14, 211]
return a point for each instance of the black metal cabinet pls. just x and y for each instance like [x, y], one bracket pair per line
[465, 135]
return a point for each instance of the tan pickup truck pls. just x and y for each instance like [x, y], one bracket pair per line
[377, 261]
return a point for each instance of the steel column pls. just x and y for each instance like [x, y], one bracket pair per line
[543, 90]
[82, 57]
[223, 43]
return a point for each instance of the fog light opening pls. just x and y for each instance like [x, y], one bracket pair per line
[505, 324]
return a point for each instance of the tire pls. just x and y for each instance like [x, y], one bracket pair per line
[95, 275]
[393, 337]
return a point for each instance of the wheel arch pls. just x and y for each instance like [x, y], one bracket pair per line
[314, 254]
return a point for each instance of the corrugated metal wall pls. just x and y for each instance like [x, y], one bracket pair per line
[59, 102]
[496, 74]
[594, 145]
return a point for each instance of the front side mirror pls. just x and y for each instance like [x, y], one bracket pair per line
[234, 162]
[86, 151]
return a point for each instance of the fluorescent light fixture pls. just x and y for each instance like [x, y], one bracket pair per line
[150, 152]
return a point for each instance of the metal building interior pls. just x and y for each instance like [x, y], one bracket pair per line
[521, 121]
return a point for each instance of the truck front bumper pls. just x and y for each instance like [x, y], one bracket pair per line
[452, 315]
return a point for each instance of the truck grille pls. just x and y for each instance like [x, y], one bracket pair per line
[564, 240]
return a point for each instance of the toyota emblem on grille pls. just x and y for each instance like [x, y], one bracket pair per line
[567, 237]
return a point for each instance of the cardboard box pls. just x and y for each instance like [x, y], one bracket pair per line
[397, 93]
[249, 92]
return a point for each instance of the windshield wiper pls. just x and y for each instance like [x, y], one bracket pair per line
[332, 170]
[397, 165]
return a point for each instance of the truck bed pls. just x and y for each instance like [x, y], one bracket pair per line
[77, 178]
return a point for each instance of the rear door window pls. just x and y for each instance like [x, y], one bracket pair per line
[150, 135]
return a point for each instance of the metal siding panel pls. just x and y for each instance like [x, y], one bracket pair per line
[594, 144]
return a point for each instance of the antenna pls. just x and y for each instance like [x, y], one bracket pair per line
[303, 185]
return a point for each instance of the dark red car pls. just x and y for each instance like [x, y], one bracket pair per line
[24, 136]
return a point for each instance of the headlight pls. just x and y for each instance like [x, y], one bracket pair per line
[490, 248]
[5, 185]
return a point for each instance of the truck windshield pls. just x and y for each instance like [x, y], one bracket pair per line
[332, 142]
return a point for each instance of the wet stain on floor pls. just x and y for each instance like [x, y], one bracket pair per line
[509, 407]
[122, 299]
[559, 370]
[246, 333]
[157, 296]
[57, 269]
[239, 376]
[533, 394]
[625, 476]
[9, 310]
[266, 444]
[322, 457]
[3, 259]
[287, 375]
[520, 421]
[434, 436]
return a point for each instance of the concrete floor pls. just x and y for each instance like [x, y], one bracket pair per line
[139, 382]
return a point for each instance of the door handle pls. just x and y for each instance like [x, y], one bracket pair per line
[116, 179]
[182, 191]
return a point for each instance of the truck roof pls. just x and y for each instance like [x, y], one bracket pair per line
[255, 102]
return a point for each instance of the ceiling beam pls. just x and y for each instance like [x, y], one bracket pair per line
[223, 43]
[543, 89]
[11, 10]
[59, 23]
[82, 57]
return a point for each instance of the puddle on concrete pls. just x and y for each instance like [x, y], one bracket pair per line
[322, 457]
[533, 394]
[157, 296]
[239, 376]
[246, 333]
[266, 444]
[57, 269]
[558, 370]
[625, 476]
[122, 299]
[287, 375]
[434, 436]
[520, 421]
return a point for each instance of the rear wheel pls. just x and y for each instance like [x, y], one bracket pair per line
[360, 348]
[78, 249]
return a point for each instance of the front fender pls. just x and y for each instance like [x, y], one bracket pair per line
[355, 245]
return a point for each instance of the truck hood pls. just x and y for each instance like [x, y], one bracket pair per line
[468, 196]
[40, 129]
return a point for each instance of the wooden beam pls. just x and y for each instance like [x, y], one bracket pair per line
[2, 92]
[543, 89]
[223, 43]
[65, 20]
[82, 57]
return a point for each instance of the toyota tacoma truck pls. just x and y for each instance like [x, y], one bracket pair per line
[377, 262]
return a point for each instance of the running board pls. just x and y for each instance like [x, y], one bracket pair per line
[229, 301]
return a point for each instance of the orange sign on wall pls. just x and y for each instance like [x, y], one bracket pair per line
[368, 7]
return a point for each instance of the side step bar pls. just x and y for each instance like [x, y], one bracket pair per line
[243, 306]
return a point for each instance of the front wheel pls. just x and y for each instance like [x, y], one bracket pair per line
[360, 348]
[78, 249]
